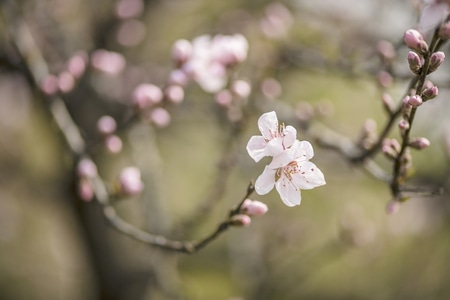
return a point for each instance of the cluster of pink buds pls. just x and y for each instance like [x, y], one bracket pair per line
[65, 81]
[107, 126]
[131, 30]
[86, 171]
[149, 101]
[207, 60]
[248, 209]
[415, 41]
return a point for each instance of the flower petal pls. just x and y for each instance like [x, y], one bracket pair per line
[274, 147]
[268, 125]
[308, 177]
[290, 135]
[265, 181]
[256, 147]
[282, 159]
[289, 193]
[303, 150]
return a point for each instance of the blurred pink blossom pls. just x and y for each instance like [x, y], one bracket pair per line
[160, 117]
[85, 189]
[174, 93]
[129, 8]
[49, 85]
[271, 88]
[66, 82]
[178, 77]
[181, 51]
[106, 125]
[146, 95]
[207, 58]
[277, 22]
[86, 168]
[131, 33]
[108, 61]
[241, 88]
[113, 143]
[130, 181]
[224, 98]
[76, 65]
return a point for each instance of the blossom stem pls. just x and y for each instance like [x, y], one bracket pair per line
[398, 174]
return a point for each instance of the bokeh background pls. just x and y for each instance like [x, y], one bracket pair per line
[339, 244]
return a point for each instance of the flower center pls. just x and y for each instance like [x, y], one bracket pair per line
[288, 170]
[277, 133]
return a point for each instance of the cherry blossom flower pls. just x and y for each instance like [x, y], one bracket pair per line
[207, 59]
[274, 138]
[290, 172]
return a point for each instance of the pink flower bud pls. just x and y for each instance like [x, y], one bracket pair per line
[240, 220]
[130, 181]
[76, 65]
[271, 88]
[277, 21]
[129, 8]
[160, 117]
[386, 50]
[388, 103]
[49, 85]
[253, 208]
[66, 82]
[403, 124]
[415, 62]
[131, 33]
[392, 207]
[108, 62]
[415, 101]
[86, 168]
[430, 93]
[178, 77]
[241, 88]
[419, 143]
[181, 51]
[106, 125]
[146, 95]
[414, 40]
[390, 148]
[113, 143]
[385, 79]
[174, 93]
[85, 190]
[394, 144]
[436, 59]
[224, 98]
